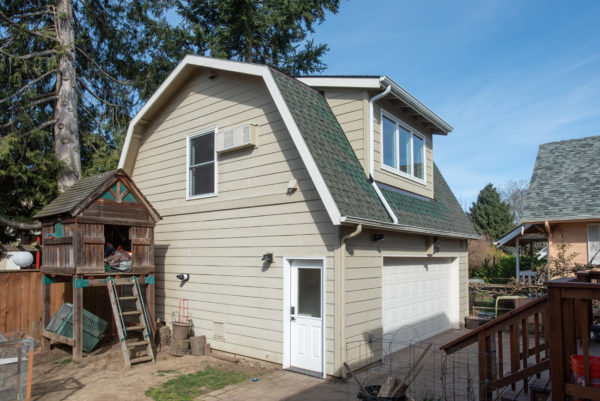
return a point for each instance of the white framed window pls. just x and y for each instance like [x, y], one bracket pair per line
[594, 244]
[402, 148]
[201, 165]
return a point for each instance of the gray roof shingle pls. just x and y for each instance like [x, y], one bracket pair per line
[73, 196]
[443, 213]
[565, 183]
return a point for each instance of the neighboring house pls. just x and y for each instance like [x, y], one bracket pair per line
[246, 164]
[563, 201]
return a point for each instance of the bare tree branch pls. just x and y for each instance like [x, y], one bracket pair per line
[41, 126]
[19, 224]
[100, 68]
[24, 88]
[34, 103]
[87, 88]
[30, 55]
[33, 33]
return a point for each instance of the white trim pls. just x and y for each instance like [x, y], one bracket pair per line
[286, 309]
[387, 206]
[412, 131]
[342, 82]
[249, 69]
[597, 254]
[375, 83]
[187, 164]
[307, 158]
[519, 230]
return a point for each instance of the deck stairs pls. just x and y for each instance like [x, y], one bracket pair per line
[513, 356]
[131, 320]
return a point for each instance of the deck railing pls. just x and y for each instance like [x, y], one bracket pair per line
[517, 325]
[570, 317]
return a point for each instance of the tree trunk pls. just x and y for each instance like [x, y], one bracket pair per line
[66, 132]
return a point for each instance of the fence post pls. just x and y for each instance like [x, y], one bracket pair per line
[555, 342]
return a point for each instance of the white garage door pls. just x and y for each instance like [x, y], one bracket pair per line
[420, 297]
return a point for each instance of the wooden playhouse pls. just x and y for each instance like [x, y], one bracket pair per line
[99, 213]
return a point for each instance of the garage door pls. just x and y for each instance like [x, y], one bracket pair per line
[420, 296]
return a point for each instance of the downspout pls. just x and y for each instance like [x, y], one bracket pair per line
[342, 295]
[372, 153]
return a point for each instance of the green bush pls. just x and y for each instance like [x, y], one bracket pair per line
[502, 266]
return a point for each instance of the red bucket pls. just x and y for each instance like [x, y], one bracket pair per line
[579, 372]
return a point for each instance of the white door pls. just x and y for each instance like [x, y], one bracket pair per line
[306, 315]
[420, 297]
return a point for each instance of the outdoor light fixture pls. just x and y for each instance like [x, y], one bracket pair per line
[436, 245]
[183, 276]
[378, 237]
[212, 75]
[267, 258]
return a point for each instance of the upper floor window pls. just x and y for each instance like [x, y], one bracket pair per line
[403, 148]
[201, 166]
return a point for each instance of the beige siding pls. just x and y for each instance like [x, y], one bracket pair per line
[392, 178]
[363, 286]
[575, 235]
[220, 240]
[350, 107]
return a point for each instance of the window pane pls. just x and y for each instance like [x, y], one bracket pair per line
[202, 179]
[389, 142]
[309, 292]
[202, 149]
[419, 157]
[405, 154]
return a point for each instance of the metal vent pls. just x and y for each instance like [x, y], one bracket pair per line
[237, 138]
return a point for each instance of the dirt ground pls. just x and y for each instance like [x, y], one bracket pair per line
[102, 374]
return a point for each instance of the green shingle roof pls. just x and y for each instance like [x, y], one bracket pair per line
[73, 196]
[331, 150]
[346, 179]
[566, 181]
[443, 213]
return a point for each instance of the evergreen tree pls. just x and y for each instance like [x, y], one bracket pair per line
[272, 32]
[72, 72]
[490, 215]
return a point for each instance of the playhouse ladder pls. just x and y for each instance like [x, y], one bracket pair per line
[139, 348]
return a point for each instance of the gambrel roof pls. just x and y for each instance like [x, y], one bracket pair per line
[343, 186]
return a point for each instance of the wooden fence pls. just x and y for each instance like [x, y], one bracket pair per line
[21, 301]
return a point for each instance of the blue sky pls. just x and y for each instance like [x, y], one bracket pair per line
[507, 75]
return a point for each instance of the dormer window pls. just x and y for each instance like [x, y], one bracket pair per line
[403, 149]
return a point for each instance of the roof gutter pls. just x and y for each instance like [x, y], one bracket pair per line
[406, 228]
[372, 152]
[411, 101]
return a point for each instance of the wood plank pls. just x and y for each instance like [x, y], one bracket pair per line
[77, 322]
[57, 241]
[48, 335]
[521, 374]
[576, 391]
[555, 341]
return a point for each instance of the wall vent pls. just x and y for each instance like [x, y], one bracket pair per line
[219, 330]
[237, 138]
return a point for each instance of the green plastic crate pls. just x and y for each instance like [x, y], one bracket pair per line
[93, 326]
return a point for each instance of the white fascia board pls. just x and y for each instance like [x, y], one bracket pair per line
[341, 82]
[227, 65]
[520, 230]
[307, 158]
[411, 101]
[248, 69]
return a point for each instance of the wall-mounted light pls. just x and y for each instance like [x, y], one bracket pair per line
[378, 237]
[267, 258]
[292, 186]
[212, 75]
[183, 276]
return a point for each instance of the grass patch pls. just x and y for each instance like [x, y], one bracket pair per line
[63, 361]
[188, 387]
